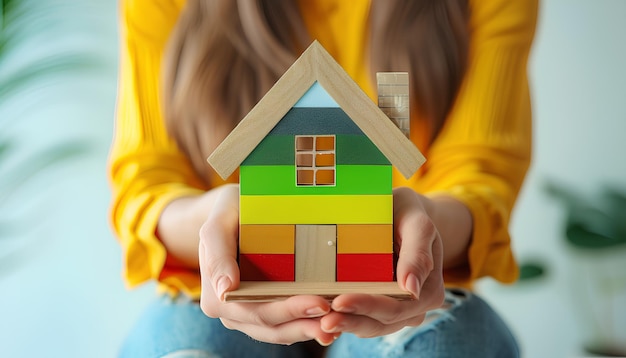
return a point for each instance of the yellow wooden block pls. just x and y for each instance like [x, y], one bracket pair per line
[364, 239]
[266, 239]
[316, 209]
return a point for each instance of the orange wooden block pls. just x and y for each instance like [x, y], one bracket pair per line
[266, 239]
[361, 239]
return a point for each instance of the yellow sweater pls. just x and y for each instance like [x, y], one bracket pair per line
[480, 157]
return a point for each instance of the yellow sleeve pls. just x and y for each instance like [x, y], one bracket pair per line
[146, 169]
[483, 152]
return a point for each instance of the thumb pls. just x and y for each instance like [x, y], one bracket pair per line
[219, 271]
[415, 259]
[218, 247]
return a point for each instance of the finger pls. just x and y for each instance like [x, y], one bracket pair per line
[287, 333]
[272, 314]
[434, 285]
[364, 326]
[383, 309]
[218, 245]
[417, 234]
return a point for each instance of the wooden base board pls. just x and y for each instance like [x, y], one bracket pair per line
[265, 291]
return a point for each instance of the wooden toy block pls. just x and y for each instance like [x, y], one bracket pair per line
[364, 267]
[267, 267]
[351, 150]
[393, 98]
[316, 121]
[315, 64]
[280, 179]
[273, 150]
[362, 239]
[355, 150]
[266, 239]
[274, 291]
[314, 209]
[316, 251]
[315, 155]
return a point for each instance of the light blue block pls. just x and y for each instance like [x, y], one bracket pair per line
[316, 96]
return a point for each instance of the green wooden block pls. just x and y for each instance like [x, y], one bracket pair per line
[281, 180]
[351, 149]
[273, 150]
[354, 149]
[312, 121]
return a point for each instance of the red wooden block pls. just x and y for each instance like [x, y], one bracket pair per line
[267, 267]
[365, 267]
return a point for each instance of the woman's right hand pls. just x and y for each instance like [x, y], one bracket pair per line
[283, 322]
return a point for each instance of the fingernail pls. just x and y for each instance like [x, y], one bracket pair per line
[322, 343]
[346, 309]
[315, 311]
[412, 284]
[333, 329]
[223, 284]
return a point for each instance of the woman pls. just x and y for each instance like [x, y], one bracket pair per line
[471, 118]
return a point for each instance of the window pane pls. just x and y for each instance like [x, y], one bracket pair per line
[304, 143]
[325, 177]
[325, 143]
[325, 160]
[305, 177]
[304, 160]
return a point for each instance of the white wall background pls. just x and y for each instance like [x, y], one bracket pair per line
[578, 78]
[61, 294]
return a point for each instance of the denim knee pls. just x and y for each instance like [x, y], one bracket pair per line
[466, 327]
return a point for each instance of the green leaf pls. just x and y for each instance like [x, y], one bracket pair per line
[582, 237]
[46, 67]
[531, 270]
[592, 224]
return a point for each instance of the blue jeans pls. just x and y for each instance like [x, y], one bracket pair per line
[468, 327]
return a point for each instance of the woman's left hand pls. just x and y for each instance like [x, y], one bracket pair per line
[419, 271]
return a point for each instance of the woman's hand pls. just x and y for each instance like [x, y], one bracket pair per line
[419, 271]
[293, 320]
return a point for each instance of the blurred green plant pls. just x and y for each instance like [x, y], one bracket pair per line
[20, 21]
[596, 230]
[592, 225]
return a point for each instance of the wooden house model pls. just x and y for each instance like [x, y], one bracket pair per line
[315, 160]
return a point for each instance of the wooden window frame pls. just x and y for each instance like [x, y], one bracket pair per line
[302, 163]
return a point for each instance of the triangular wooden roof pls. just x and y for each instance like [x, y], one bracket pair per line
[315, 64]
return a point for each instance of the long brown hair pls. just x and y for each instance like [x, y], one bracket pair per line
[224, 55]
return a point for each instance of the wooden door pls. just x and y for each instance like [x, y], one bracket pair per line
[316, 253]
